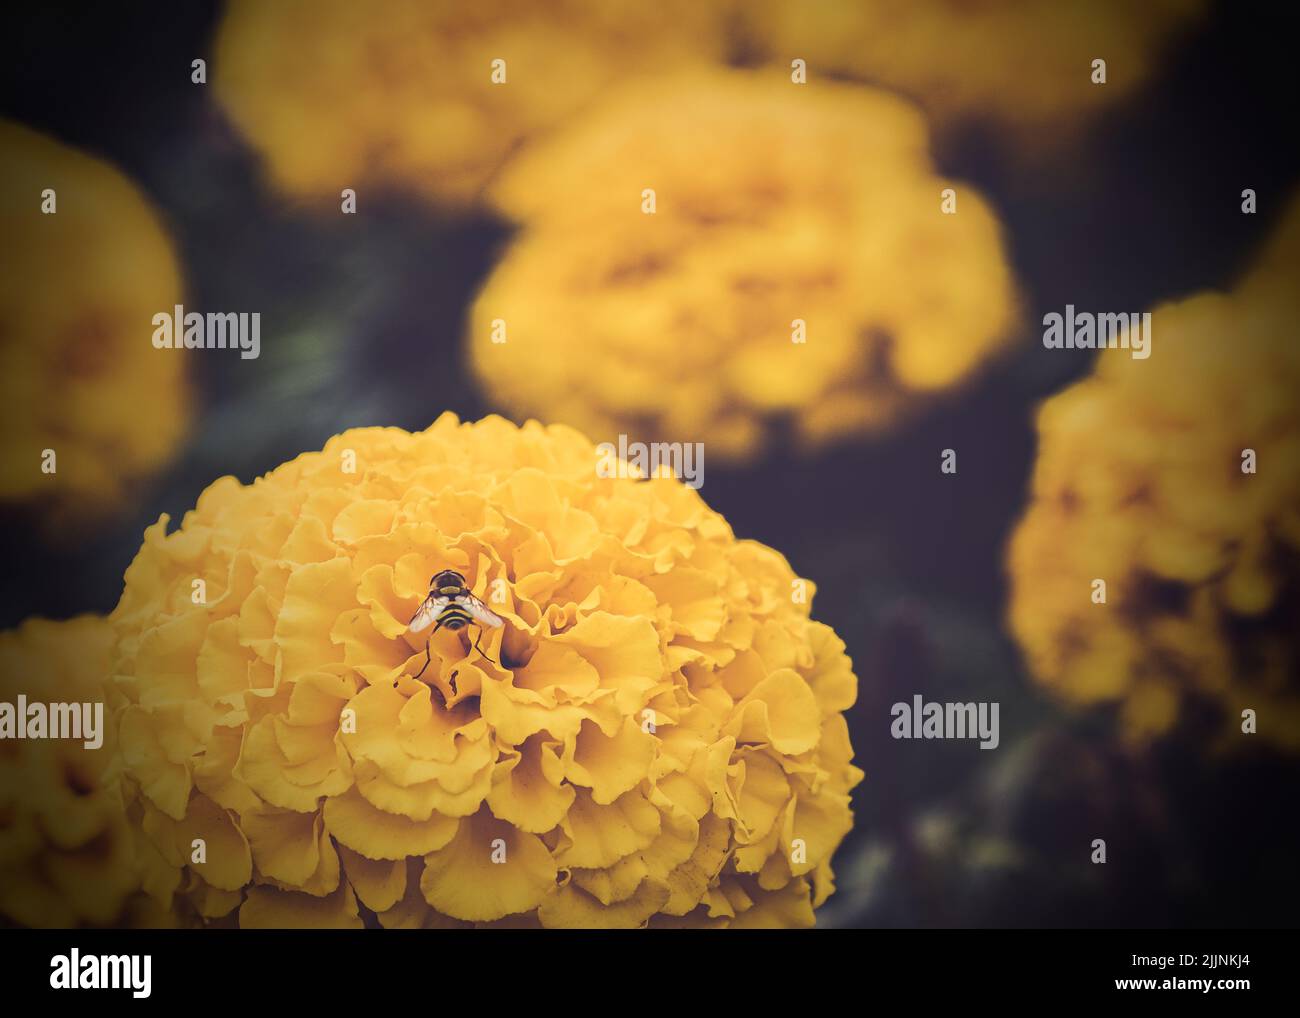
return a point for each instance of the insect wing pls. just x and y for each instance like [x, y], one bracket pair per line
[427, 613]
[482, 615]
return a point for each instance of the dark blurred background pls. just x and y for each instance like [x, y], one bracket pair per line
[362, 319]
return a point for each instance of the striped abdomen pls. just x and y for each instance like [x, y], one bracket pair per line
[453, 617]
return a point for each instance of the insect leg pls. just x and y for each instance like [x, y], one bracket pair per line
[428, 656]
[477, 637]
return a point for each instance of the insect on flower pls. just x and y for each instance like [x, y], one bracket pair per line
[450, 605]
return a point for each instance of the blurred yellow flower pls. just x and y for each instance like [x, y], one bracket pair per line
[1273, 274]
[66, 854]
[1176, 480]
[1024, 64]
[797, 266]
[86, 402]
[655, 734]
[431, 97]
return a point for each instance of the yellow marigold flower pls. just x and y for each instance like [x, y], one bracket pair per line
[1176, 480]
[654, 734]
[79, 286]
[66, 852]
[431, 97]
[1027, 64]
[798, 266]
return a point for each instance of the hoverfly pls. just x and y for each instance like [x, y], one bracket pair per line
[450, 605]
